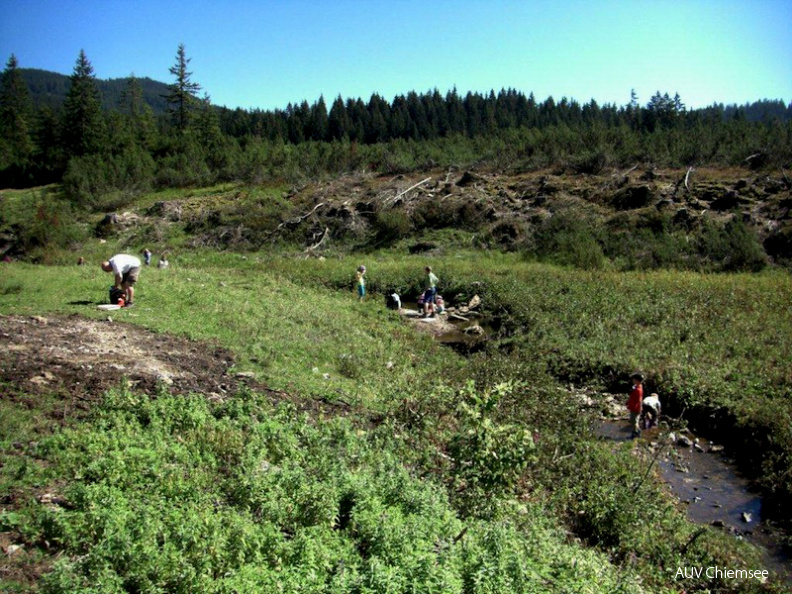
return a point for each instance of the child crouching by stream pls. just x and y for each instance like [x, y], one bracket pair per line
[650, 411]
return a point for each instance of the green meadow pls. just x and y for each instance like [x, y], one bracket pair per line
[445, 473]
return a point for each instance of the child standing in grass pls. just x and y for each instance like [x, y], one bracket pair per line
[360, 282]
[635, 403]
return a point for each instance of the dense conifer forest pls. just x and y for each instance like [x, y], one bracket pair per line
[131, 135]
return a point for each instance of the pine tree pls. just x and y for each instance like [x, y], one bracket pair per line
[138, 116]
[379, 114]
[318, 124]
[338, 120]
[16, 116]
[297, 120]
[183, 96]
[83, 126]
[456, 111]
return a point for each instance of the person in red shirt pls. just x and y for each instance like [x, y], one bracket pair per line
[635, 403]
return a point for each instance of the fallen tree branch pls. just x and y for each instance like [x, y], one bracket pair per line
[400, 194]
[686, 178]
[320, 242]
[459, 536]
[296, 221]
[693, 539]
[651, 464]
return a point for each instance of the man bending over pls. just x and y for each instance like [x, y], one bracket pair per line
[126, 269]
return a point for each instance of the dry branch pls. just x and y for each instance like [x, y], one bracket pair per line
[618, 179]
[296, 221]
[325, 235]
[400, 194]
[686, 178]
[630, 170]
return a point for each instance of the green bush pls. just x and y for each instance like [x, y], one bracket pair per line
[731, 247]
[104, 183]
[489, 456]
[590, 162]
[570, 239]
[37, 225]
[154, 505]
[390, 225]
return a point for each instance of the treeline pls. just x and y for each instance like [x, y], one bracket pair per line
[433, 115]
[104, 157]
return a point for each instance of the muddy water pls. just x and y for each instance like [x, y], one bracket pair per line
[708, 484]
[455, 333]
[713, 491]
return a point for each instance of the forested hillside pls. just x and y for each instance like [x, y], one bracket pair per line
[50, 89]
[109, 142]
[125, 135]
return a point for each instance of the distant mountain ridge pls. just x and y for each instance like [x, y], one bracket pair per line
[49, 89]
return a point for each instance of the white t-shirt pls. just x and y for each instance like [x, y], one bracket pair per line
[652, 402]
[123, 263]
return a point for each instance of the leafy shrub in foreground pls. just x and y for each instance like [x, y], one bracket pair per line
[158, 503]
[489, 457]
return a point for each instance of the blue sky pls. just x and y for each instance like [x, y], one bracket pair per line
[266, 54]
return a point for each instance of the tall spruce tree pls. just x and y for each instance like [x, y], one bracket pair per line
[183, 94]
[139, 125]
[338, 121]
[318, 127]
[16, 117]
[83, 129]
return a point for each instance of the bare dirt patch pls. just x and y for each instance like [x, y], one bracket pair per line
[82, 358]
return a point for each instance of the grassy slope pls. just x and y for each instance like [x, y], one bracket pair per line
[284, 317]
[128, 466]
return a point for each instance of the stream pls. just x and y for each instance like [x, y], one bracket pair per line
[703, 478]
[713, 491]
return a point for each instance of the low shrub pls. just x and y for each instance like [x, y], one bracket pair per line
[731, 247]
[102, 183]
[568, 238]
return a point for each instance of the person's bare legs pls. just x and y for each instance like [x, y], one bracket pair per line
[129, 293]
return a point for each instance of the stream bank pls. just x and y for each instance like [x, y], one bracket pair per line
[698, 472]
[707, 482]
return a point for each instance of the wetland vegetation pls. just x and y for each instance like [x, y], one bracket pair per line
[250, 426]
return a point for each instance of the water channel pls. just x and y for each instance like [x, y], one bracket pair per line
[704, 479]
[712, 489]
